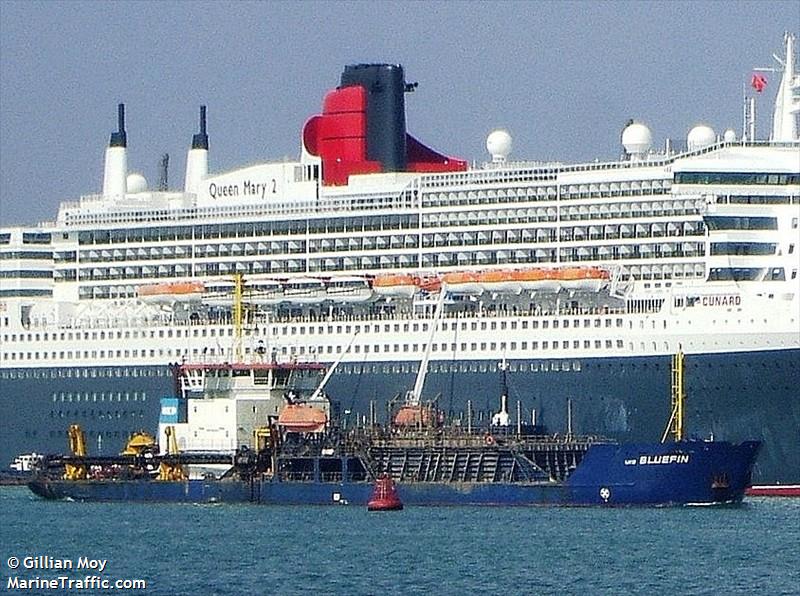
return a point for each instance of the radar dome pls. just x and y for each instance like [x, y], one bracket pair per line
[700, 136]
[636, 138]
[136, 183]
[729, 136]
[498, 143]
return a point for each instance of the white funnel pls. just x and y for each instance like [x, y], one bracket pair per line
[197, 159]
[116, 167]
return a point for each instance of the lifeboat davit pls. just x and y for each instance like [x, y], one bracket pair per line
[395, 286]
[302, 418]
[184, 291]
[500, 281]
[584, 278]
[384, 495]
[464, 283]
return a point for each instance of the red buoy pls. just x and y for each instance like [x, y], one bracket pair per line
[384, 496]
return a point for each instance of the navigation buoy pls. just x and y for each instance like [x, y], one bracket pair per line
[384, 496]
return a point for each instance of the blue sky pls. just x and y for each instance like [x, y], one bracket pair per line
[563, 77]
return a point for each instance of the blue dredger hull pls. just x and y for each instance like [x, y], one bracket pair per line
[733, 395]
[690, 472]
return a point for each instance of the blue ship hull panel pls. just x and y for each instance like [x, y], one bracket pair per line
[693, 472]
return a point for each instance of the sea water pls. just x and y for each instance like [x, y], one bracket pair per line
[251, 549]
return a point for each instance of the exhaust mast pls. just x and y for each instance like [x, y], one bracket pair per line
[116, 162]
[197, 159]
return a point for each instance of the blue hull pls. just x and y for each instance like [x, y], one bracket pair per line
[690, 472]
[732, 396]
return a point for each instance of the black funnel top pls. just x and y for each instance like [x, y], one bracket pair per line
[386, 111]
[119, 138]
[200, 140]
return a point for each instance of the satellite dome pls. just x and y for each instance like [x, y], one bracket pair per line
[700, 136]
[729, 136]
[636, 138]
[498, 143]
[136, 183]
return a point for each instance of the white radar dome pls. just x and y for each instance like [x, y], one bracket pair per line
[136, 183]
[729, 136]
[498, 144]
[700, 136]
[636, 138]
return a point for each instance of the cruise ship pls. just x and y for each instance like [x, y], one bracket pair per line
[575, 282]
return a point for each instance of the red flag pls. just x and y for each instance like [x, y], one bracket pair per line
[758, 82]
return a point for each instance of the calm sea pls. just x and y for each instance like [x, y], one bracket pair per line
[248, 549]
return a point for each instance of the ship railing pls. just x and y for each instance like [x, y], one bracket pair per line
[460, 436]
[255, 327]
[486, 313]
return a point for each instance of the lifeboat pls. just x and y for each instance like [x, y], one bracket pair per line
[584, 278]
[395, 286]
[219, 293]
[348, 289]
[304, 290]
[263, 291]
[302, 418]
[428, 282]
[538, 280]
[184, 291]
[410, 415]
[500, 281]
[464, 283]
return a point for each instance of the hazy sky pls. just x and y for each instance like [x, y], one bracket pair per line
[563, 77]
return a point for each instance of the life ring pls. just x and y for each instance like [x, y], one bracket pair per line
[489, 440]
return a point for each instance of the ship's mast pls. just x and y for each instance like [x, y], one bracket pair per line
[238, 283]
[787, 100]
[675, 426]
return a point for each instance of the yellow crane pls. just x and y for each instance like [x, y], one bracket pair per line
[169, 470]
[77, 445]
[139, 443]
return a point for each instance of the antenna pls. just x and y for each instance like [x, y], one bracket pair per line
[163, 179]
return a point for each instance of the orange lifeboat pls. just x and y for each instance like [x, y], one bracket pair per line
[182, 291]
[500, 281]
[541, 280]
[463, 282]
[584, 278]
[302, 418]
[409, 415]
[398, 285]
[428, 283]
